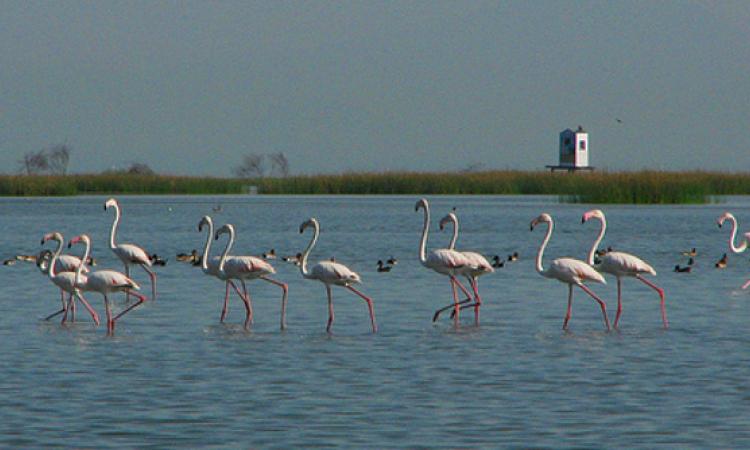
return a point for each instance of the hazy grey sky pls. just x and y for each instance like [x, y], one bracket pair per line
[189, 87]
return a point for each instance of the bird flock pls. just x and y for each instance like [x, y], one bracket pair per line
[75, 277]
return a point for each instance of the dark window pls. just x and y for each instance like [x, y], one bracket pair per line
[582, 145]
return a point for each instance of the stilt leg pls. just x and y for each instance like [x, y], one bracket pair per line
[151, 275]
[619, 301]
[330, 308]
[369, 306]
[569, 311]
[285, 289]
[225, 309]
[660, 291]
[600, 301]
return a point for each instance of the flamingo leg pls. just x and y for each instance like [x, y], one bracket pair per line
[369, 306]
[569, 311]
[225, 309]
[330, 308]
[285, 289]
[140, 298]
[72, 308]
[598, 300]
[56, 313]
[248, 305]
[660, 291]
[127, 274]
[88, 307]
[151, 275]
[473, 281]
[456, 307]
[619, 301]
[108, 309]
[451, 306]
[746, 285]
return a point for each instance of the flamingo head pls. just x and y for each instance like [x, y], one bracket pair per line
[450, 217]
[593, 214]
[724, 217]
[543, 218]
[310, 222]
[52, 237]
[205, 221]
[82, 238]
[227, 228]
[110, 203]
[422, 203]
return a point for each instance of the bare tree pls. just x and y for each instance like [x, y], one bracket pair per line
[279, 164]
[252, 165]
[139, 169]
[34, 163]
[58, 157]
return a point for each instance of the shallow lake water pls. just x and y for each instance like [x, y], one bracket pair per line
[172, 375]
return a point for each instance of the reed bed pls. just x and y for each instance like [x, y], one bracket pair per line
[644, 187]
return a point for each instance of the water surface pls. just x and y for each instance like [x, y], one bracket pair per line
[174, 376]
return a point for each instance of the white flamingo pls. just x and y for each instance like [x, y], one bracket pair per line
[129, 253]
[443, 261]
[105, 282]
[620, 265]
[210, 266]
[64, 280]
[331, 273]
[478, 266]
[65, 263]
[248, 268]
[568, 270]
[732, 246]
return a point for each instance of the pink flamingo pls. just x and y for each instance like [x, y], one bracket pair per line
[65, 263]
[732, 246]
[210, 266]
[443, 261]
[568, 270]
[620, 265]
[478, 266]
[248, 268]
[105, 282]
[65, 280]
[331, 273]
[129, 253]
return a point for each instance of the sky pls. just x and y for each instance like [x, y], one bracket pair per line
[190, 87]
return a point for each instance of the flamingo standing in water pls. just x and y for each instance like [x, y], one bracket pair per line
[248, 268]
[732, 246]
[66, 281]
[105, 282]
[129, 253]
[568, 270]
[620, 265]
[331, 273]
[443, 261]
[65, 263]
[210, 266]
[479, 266]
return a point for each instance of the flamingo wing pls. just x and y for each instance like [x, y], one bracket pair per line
[479, 263]
[247, 266]
[109, 280]
[132, 254]
[69, 263]
[334, 272]
[620, 263]
[570, 270]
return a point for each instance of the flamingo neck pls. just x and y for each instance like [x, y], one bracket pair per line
[454, 219]
[207, 248]
[115, 224]
[540, 254]
[743, 246]
[224, 254]
[313, 241]
[85, 258]
[423, 242]
[603, 230]
[51, 270]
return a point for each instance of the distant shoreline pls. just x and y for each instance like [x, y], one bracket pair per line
[642, 187]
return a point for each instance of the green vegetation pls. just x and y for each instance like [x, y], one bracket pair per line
[599, 187]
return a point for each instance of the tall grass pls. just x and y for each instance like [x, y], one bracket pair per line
[598, 187]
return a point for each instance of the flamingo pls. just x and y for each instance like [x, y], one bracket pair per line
[479, 266]
[210, 266]
[64, 263]
[443, 261]
[248, 268]
[331, 273]
[105, 282]
[64, 280]
[568, 270]
[621, 264]
[129, 253]
[732, 246]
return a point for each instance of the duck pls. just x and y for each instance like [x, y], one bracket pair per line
[685, 269]
[271, 254]
[392, 261]
[292, 259]
[722, 263]
[188, 257]
[157, 261]
[383, 268]
[692, 252]
[513, 257]
[497, 262]
[602, 252]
